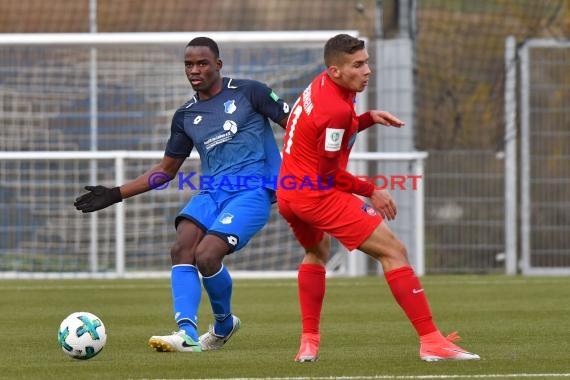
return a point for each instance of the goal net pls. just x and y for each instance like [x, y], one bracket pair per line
[107, 92]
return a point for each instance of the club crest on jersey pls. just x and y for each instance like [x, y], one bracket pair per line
[368, 209]
[226, 218]
[230, 106]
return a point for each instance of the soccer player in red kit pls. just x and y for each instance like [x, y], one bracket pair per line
[316, 197]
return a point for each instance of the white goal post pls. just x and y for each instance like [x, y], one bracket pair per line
[95, 108]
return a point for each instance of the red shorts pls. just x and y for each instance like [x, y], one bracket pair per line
[342, 215]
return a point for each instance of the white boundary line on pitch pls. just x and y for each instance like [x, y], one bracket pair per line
[379, 377]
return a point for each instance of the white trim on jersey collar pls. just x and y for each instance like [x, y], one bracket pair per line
[195, 101]
[230, 84]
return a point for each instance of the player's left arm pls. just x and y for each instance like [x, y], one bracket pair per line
[368, 119]
[268, 103]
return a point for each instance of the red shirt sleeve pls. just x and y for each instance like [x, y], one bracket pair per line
[341, 179]
[365, 121]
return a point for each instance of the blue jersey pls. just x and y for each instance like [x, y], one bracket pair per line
[232, 135]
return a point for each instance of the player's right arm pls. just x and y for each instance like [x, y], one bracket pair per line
[382, 201]
[160, 173]
[368, 119]
[179, 147]
[100, 197]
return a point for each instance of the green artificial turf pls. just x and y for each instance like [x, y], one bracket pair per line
[519, 326]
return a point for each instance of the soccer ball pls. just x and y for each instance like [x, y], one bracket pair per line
[82, 335]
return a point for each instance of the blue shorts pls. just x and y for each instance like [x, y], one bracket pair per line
[233, 216]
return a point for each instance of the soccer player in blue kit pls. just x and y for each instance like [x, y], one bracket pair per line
[227, 120]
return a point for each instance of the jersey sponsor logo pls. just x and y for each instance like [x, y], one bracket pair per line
[231, 126]
[226, 218]
[232, 240]
[218, 139]
[333, 139]
[197, 120]
[230, 106]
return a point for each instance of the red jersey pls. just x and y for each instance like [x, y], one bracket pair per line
[321, 131]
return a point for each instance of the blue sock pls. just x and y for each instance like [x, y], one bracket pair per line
[186, 293]
[219, 288]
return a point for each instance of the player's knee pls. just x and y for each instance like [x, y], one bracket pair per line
[208, 263]
[398, 252]
[319, 253]
[210, 253]
[181, 253]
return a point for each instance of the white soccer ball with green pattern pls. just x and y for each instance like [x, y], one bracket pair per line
[82, 335]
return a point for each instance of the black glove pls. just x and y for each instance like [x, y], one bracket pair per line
[97, 198]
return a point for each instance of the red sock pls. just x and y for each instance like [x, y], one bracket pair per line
[311, 279]
[409, 293]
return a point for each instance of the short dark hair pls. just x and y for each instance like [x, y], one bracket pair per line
[208, 42]
[339, 45]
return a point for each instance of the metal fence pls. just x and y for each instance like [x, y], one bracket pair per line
[464, 212]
